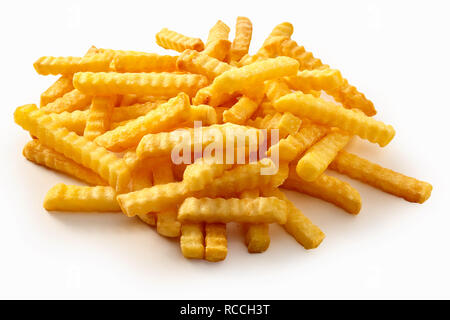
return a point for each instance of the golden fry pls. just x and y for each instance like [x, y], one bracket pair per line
[144, 62]
[61, 86]
[173, 40]
[215, 242]
[241, 42]
[192, 240]
[71, 101]
[99, 119]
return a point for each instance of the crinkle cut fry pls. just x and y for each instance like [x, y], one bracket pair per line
[99, 118]
[202, 173]
[59, 88]
[71, 101]
[73, 121]
[169, 39]
[141, 178]
[317, 79]
[219, 210]
[106, 164]
[76, 198]
[164, 117]
[297, 224]
[384, 179]
[327, 188]
[215, 242]
[257, 236]
[144, 84]
[162, 197]
[47, 157]
[241, 111]
[198, 62]
[166, 221]
[192, 240]
[217, 44]
[329, 113]
[317, 159]
[144, 62]
[281, 32]
[242, 39]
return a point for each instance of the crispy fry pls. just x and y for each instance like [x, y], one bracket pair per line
[160, 119]
[141, 178]
[99, 119]
[219, 210]
[257, 236]
[216, 242]
[163, 84]
[106, 164]
[384, 179]
[71, 101]
[280, 33]
[144, 62]
[241, 42]
[192, 240]
[298, 225]
[322, 79]
[217, 44]
[202, 173]
[73, 121]
[204, 113]
[327, 188]
[47, 157]
[201, 63]
[61, 86]
[275, 89]
[317, 159]
[240, 112]
[329, 113]
[134, 111]
[75, 198]
[286, 123]
[175, 41]
[70, 65]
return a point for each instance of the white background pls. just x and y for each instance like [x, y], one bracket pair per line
[396, 52]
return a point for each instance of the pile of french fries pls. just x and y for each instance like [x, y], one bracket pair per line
[110, 121]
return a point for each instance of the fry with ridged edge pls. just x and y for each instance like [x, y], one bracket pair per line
[106, 164]
[198, 62]
[192, 240]
[242, 38]
[69, 65]
[215, 242]
[317, 79]
[72, 100]
[217, 44]
[241, 111]
[329, 113]
[99, 118]
[169, 39]
[144, 84]
[327, 188]
[47, 157]
[257, 236]
[142, 178]
[203, 172]
[317, 159]
[144, 62]
[73, 121]
[134, 111]
[162, 118]
[297, 224]
[280, 33]
[59, 88]
[384, 179]
[76, 198]
[166, 221]
[275, 89]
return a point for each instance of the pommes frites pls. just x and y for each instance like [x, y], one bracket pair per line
[113, 120]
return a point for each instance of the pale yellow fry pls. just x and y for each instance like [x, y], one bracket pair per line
[59, 88]
[202, 173]
[275, 89]
[329, 113]
[106, 164]
[270, 47]
[322, 79]
[327, 188]
[317, 159]
[144, 84]
[204, 113]
[192, 240]
[134, 111]
[169, 39]
[219, 210]
[99, 119]
[72, 100]
[76, 198]
[162, 197]
[198, 62]
[242, 39]
[142, 178]
[297, 224]
[70, 65]
[384, 179]
[144, 62]
[285, 123]
[257, 236]
[162, 118]
[247, 77]
[240, 112]
[45, 156]
[216, 242]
